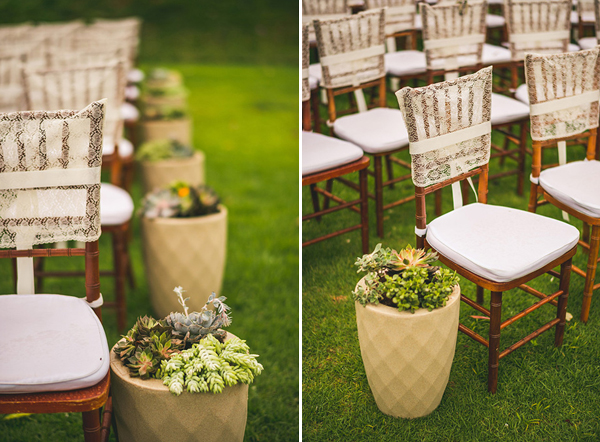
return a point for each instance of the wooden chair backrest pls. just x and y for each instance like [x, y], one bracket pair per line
[399, 15]
[542, 27]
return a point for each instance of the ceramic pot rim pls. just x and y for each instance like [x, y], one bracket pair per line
[206, 219]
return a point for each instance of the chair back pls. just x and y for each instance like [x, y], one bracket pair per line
[305, 64]
[324, 7]
[351, 49]
[12, 97]
[74, 87]
[563, 93]
[542, 27]
[585, 9]
[399, 14]
[453, 35]
[449, 130]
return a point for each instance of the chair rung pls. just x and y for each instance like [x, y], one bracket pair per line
[474, 305]
[528, 338]
[330, 210]
[503, 174]
[583, 244]
[401, 162]
[578, 271]
[531, 308]
[396, 180]
[331, 235]
[335, 198]
[537, 293]
[399, 202]
[40, 253]
[471, 334]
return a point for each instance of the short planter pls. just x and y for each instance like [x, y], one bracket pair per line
[180, 130]
[408, 356]
[170, 101]
[187, 252]
[160, 174]
[146, 411]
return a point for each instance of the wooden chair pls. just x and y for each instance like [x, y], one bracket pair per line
[55, 356]
[351, 51]
[454, 49]
[325, 159]
[586, 21]
[497, 248]
[564, 107]
[68, 87]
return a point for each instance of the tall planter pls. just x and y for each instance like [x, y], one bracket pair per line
[408, 356]
[146, 411]
[187, 252]
[160, 174]
[180, 130]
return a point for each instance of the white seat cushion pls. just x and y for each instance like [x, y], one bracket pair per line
[313, 82]
[576, 185]
[129, 112]
[125, 147]
[494, 21]
[132, 93]
[506, 109]
[522, 94]
[402, 63]
[116, 205]
[418, 22]
[374, 131]
[500, 243]
[495, 54]
[314, 70]
[320, 152]
[587, 42]
[50, 343]
[135, 76]
[587, 17]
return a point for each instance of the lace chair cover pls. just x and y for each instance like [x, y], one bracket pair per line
[399, 15]
[443, 113]
[551, 78]
[60, 59]
[50, 176]
[586, 8]
[351, 49]
[324, 7]
[72, 88]
[542, 27]
[305, 63]
[453, 34]
[12, 96]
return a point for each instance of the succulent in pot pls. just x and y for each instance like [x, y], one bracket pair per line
[163, 149]
[180, 200]
[407, 317]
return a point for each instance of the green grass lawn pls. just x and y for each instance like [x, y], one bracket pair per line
[246, 123]
[544, 393]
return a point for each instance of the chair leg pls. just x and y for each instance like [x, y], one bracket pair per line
[390, 170]
[119, 263]
[314, 101]
[364, 210]
[315, 200]
[379, 195]
[561, 310]
[523, 132]
[91, 426]
[494, 341]
[585, 234]
[588, 289]
[533, 198]
[328, 188]
[505, 147]
[480, 292]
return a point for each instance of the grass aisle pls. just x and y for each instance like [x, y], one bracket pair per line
[544, 393]
[245, 121]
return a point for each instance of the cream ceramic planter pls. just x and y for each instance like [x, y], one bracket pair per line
[408, 356]
[187, 252]
[159, 174]
[180, 130]
[146, 411]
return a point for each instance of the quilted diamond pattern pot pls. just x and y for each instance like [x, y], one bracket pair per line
[160, 174]
[187, 252]
[408, 356]
[146, 411]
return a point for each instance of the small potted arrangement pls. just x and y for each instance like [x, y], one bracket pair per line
[163, 161]
[165, 109]
[184, 241]
[183, 377]
[407, 315]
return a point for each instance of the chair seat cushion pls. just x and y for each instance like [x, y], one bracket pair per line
[50, 343]
[586, 17]
[320, 152]
[500, 243]
[507, 110]
[313, 82]
[314, 70]
[374, 131]
[403, 63]
[495, 54]
[522, 94]
[116, 205]
[494, 21]
[135, 76]
[132, 93]
[129, 112]
[576, 185]
[587, 42]
[125, 147]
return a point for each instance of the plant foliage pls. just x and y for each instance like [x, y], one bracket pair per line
[165, 149]
[180, 200]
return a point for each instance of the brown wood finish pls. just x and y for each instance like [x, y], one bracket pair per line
[593, 246]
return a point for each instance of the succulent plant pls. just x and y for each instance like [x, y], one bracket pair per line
[410, 257]
[210, 366]
[164, 149]
[192, 327]
[180, 200]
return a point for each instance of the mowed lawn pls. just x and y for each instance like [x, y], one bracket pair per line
[246, 123]
[544, 393]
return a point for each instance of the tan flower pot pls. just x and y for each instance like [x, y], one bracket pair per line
[174, 101]
[146, 411]
[187, 252]
[408, 356]
[159, 174]
[180, 130]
